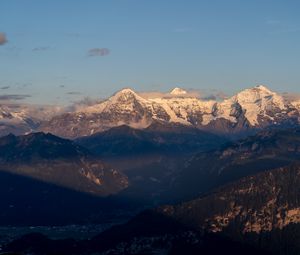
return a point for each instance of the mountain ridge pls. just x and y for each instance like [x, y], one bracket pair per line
[266, 150]
[59, 161]
[250, 109]
[245, 112]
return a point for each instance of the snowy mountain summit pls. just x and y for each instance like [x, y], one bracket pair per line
[252, 108]
[178, 91]
[258, 104]
[260, 101]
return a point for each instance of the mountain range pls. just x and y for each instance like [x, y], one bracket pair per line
[157, 139]
[250, 109]
[247, 111]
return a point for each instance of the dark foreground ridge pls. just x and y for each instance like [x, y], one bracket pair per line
[254, 215]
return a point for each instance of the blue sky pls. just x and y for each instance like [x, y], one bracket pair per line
[61, 50]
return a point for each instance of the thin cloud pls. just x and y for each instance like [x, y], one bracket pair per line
[209, 98]
[3, 39]
[5, 87]
[220, 95]
[42, 112]
[14, 97]
[43, 48]
[73, 93]
[98, 52]
[191, 93]
[81, 104]
[291, 96]
[158, 94]
[213, 94]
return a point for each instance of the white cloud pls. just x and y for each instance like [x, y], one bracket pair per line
[100, 52]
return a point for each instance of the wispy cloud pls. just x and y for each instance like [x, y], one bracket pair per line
[291, 96]
[100, 52]
[3, 39]
[81, 104]
[206, 95]
[220, 95]
[42, 112]
[5, 87]
[42, 48]
[158, 94]
[209, 98]
[14, 97]
[73, 93]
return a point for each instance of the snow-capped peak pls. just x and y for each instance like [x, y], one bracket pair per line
[259, 95]
[258, 101]
[123, 99]
[126, 94]
[255, 104]
[178, 91]
[125, 91]
[258, 105]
